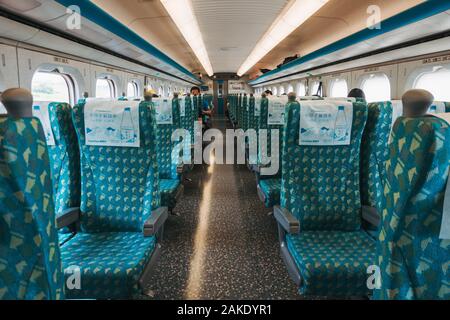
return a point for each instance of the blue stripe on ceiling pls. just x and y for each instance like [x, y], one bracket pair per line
[93, 13]
[412, 15]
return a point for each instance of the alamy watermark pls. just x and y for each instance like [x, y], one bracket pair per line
[73, 22]
[240, 147]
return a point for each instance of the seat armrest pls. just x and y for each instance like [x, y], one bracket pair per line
[155, 221]
[67, 218]
[286, 220]
[370, 215]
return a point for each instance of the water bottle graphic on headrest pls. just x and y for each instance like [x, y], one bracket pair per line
[341, 125]
[127, 130]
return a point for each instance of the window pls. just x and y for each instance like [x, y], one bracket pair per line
[290, 89]
[338, 88]
[132, 89]
[275, 91]
[437, 82]
[301, 89]
[52, 87]
[161, 91]
[281, 91]
[105, 89]
[376, 87]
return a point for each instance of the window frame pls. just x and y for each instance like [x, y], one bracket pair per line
[420, 72]
[301, 84]
[68, 79]
[333, 82]
[135, 85]
[368, 76]
[111, 84]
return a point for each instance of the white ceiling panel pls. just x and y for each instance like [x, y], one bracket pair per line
[231, 28]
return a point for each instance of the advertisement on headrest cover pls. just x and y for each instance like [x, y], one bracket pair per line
[351, 99]
[163, 109]
[257, 107]
[183, 108]
[112, 123]
[276, 112]
[325, 123]
[40, 111]
[2, 109]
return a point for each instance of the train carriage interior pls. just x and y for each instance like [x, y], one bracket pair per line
[225, 150]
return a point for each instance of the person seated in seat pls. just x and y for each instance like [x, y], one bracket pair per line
[416, 102]
[357, 93]
[268, 93]
[204, 112]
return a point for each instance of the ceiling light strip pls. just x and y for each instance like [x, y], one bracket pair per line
[182, 14]
[293, 16]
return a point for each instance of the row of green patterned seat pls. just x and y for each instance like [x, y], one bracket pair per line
[324, 188]
[120, 218]
[269, 185]
[375, 153]
[113, 236]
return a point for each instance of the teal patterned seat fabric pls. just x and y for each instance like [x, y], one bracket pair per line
[239, 111]
[195, 105]
[168, 165]
[189, 118]
[374, 153]
[30, 265]
[447, 106]
[64, 158]
[111, 263]
[119, 190]
[263, 124]
[321, 187]
[414, 262]
[232, 110]
[333, 259]
[251, 119]
[271, 190]
[245, 111]
[169, 189]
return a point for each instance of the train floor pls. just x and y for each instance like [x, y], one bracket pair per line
[222, 243]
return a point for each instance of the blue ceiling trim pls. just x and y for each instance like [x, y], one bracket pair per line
[93, 13]
[412, 15]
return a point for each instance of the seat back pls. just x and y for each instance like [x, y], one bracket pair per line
[119, 184]
[188, 117]
[30, 265]
[64, 155]
[266, 122]
[413, 260]
[166, 161]
[251, 119]
[374, 153]
[320, 183]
